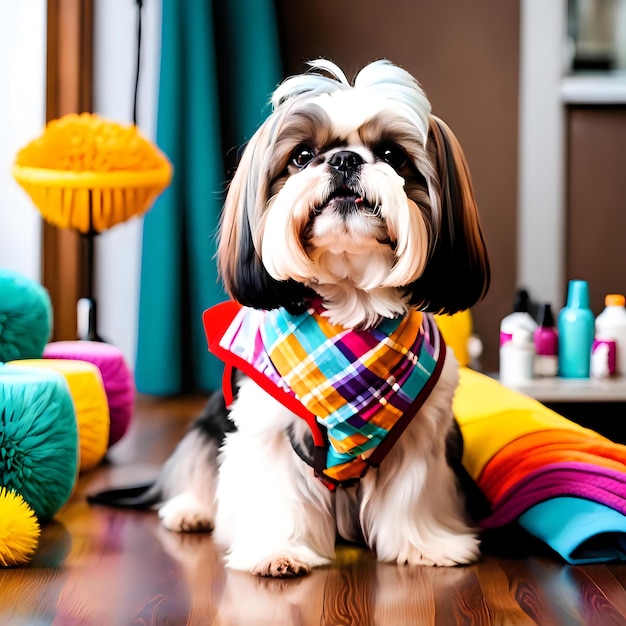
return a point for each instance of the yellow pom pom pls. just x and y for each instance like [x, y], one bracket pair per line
[19, 529]
[90, 174]
[89, 143]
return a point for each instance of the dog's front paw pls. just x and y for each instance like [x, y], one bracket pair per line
[185, 513]
[281, 567]
[283, 562]
[445, 551]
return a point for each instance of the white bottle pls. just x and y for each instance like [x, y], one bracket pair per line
[520, 318]
[517, 358]
[611, 324]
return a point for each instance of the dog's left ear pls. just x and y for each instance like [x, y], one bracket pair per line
[457, 273]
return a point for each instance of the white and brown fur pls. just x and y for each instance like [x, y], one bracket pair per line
[355, 193]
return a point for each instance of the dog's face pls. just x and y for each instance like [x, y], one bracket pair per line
[356, 194]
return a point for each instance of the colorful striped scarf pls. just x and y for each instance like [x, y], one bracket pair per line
[361, 387]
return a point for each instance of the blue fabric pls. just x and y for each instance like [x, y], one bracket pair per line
[219, 65]
[580, 530]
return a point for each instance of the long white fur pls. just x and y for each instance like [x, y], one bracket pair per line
[354, 294]
[272, 516]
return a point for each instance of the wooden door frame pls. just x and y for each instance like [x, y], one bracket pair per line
[69, 89]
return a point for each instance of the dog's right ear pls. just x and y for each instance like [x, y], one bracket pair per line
[238, 258]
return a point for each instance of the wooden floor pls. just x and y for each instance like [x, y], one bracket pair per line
[97, 566]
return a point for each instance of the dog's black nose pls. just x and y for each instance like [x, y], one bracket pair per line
[345, 161]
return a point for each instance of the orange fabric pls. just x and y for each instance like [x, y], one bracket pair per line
[539, 449]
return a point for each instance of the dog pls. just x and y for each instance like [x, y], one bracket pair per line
[351, 212]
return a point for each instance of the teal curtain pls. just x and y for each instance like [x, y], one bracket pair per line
[219, 64]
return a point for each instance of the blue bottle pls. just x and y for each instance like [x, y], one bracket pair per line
[576, 332]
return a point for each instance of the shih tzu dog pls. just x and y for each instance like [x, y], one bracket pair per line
[349, 222]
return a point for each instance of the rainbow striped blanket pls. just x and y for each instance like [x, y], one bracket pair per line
[357, 390]
[563, 483]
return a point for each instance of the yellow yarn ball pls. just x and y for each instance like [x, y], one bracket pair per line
[19, 529]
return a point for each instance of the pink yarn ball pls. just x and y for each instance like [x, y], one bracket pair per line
[116, 376]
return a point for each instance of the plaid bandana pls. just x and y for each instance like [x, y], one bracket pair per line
[361, 388]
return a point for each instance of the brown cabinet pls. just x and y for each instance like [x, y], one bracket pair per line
[596, 199]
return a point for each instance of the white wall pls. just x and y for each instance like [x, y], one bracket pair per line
[541, 183]
[118, 251]
[22, 118]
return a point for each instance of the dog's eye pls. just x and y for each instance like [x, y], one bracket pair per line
[395, 156]
[302, 156]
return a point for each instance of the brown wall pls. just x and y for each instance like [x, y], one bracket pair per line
[466, 56]
[596, 200]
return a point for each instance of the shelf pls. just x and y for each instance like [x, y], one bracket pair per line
[594, 88]
[574, 390]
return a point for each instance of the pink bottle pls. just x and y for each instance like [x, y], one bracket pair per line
[546, 344]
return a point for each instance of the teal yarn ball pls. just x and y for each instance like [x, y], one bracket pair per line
[38, 437]
[25, 317]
